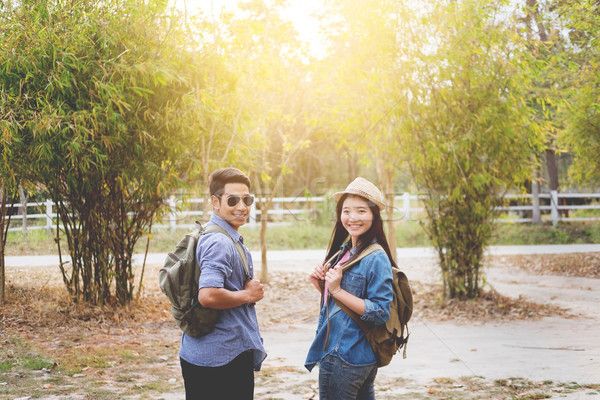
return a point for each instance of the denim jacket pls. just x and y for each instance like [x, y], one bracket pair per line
[371, 280]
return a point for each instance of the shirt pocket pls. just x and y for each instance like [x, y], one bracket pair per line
[353, 283]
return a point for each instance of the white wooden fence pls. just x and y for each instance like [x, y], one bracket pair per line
[288, 209]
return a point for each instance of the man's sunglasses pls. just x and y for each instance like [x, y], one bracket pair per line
[232, 200]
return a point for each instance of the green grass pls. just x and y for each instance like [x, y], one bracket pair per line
[564, 233]
[35, 362]
[411, 234]
[18, 354]
[307, 235]
[5, 365]
[35, 242]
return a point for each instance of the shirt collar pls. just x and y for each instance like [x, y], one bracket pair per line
[235, 235]
[347, 246]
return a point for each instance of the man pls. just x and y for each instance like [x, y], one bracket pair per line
[221, 364]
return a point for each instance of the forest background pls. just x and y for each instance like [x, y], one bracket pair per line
[108, 108]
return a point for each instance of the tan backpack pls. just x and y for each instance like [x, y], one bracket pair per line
[385, 339]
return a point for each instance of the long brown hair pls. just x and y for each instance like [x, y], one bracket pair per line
[375, 232]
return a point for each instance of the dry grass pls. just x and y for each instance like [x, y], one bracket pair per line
[584, 265]
[490, 306]
[36, 299]
[131, 350]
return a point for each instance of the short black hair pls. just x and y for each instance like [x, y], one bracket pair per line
[220, 177]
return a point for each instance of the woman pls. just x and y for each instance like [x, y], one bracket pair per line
[347, 364]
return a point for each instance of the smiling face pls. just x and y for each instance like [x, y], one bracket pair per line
[356, 217]
[235, 215]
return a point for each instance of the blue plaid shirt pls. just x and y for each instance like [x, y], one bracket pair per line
[236, 330]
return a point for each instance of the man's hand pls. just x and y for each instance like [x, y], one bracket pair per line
[221, 298]
[254, 290]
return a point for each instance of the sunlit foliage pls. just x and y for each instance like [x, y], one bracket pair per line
[468, 133]
[111, 106]
[96, 93]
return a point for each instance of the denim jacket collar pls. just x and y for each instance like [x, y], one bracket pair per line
[348, 247]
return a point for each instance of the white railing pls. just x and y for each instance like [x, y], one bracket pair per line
[43, 218]
[287, 209]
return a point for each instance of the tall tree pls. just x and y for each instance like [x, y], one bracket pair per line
[581, 22]
[5, 198]
[468, 133]
[215, 113]
[268, 58]
[365, 77]
[12, 162]
[95, 93]
[545, 47]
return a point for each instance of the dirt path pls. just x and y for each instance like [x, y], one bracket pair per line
[551, 349]
[552, 357]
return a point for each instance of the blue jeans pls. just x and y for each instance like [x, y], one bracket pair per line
[341, 381]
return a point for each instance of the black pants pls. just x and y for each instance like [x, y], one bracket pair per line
[233, 381]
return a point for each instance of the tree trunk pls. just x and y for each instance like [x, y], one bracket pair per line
[391, 234]
[207, 204]
[2, 222]
[2, 278]
[264, 204]
[533, 11]
[24, 199]
[536, 216]
[552, 168]
[388, 192]
[264, 269]
[352, 165]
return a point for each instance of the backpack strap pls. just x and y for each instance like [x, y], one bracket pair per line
[352, 315]
[238, 246]
[370, 249]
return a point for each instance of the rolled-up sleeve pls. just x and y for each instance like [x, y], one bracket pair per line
[379, 294]
[214, 263]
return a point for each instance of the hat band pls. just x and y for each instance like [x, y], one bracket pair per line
[365, 194]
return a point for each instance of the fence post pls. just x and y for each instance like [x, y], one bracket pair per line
[23, 210]
[49, 216]
[536, 215]
[406, 205]
[173, 213]
[554, 207]
[252, 217]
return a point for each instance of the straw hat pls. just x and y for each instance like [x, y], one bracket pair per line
[363, 188]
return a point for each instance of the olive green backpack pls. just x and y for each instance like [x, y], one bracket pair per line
[179, 277]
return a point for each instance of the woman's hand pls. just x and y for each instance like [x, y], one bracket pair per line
[317, 276]
[334, 279]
